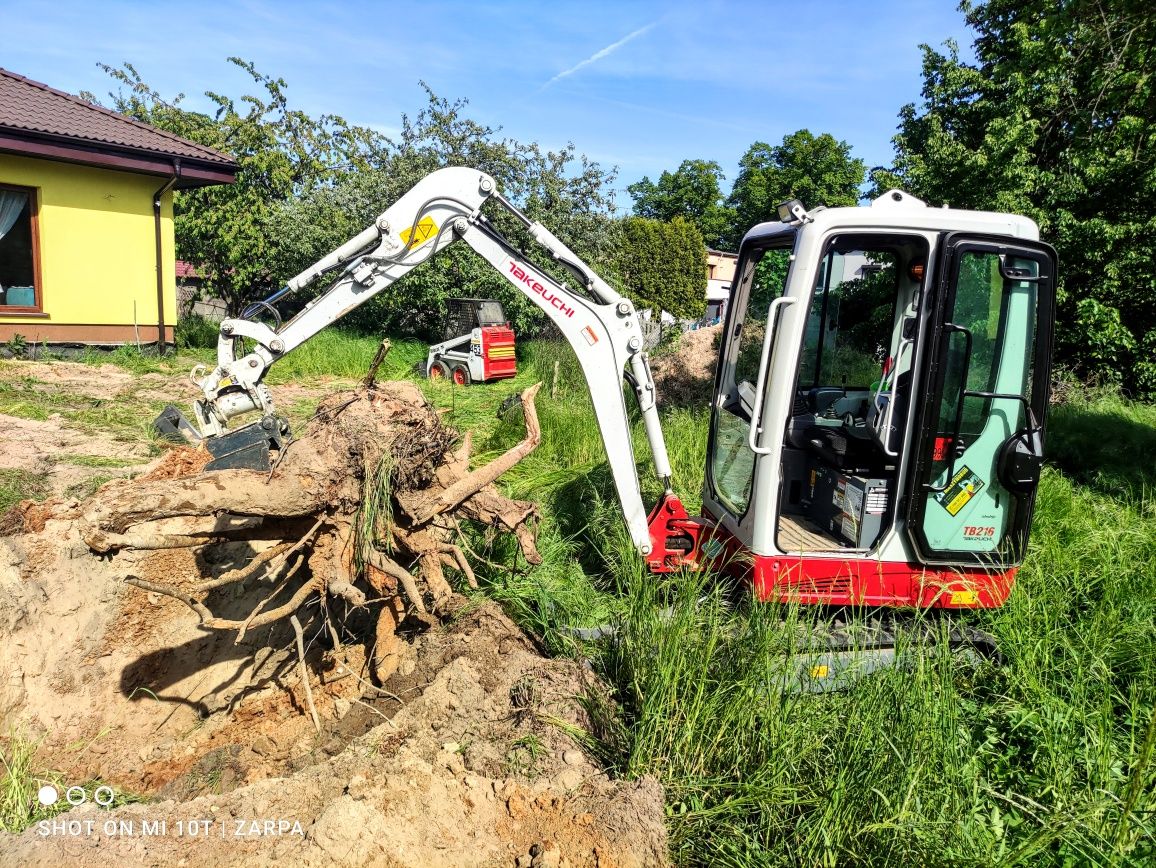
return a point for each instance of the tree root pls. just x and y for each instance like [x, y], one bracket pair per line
[383, 488]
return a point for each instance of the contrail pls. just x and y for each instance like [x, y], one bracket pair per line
[598, 55]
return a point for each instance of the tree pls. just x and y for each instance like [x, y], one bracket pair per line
[692, 192]
[1055, 120]
[569, 194]
[817, 170]
[663, 265]
[282, 154]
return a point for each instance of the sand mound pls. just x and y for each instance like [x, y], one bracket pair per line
[685, 378]
[461, 758]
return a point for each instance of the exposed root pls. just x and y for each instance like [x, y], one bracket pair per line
[383, 486]
[299, 633]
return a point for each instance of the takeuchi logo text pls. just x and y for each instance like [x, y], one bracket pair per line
[530, 281]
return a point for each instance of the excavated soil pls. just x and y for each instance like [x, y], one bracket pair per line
[463, 757]
[685, 378]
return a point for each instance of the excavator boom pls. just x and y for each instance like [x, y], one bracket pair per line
[600, 325]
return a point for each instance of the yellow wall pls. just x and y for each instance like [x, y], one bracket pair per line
[97, 246]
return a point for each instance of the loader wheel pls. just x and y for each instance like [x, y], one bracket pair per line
[462, 375]
[439, 371]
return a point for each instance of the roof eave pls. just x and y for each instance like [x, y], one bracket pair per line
[194, 172]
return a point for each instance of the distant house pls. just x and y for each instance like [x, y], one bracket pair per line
[86, 218]
[720, 276]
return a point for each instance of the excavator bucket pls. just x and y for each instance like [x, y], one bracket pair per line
[174, 426]
[246, 448]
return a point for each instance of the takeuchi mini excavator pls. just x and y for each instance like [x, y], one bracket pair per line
[877, 423]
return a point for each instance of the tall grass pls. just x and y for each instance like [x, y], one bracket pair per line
[20, 781]
[1045, 759]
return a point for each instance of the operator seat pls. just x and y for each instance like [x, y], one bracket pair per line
[840, 448]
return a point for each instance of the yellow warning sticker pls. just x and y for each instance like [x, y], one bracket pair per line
[821, 670]
[963, 487]
[964, 598]
[421, 233]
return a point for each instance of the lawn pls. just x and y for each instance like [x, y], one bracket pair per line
[1046, 758]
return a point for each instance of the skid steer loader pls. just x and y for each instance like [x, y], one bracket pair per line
[478, 344]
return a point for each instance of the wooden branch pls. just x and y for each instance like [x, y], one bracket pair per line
[273, 614]
[144, 541]
[282, 551]
[202, 611]
[268, 599]
[347, 592]
[514, 516]
[248, 571]
[431, 570]
[378, 358]
[300, 634]
[422, 509]
[458, 559]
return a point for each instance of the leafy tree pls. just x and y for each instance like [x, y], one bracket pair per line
[691, 192]
[663, 265]
[306, 185]
[818, 170]
[567, 193]
[282, 154]
[1055, 120]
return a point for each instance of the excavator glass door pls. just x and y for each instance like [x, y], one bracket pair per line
[761, 280]
[980, 429]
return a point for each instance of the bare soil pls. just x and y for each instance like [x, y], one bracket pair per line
[463, 757]
[685, 378]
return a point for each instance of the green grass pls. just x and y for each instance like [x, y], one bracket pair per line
[17, 485]
[1047, 759]
[20, 783]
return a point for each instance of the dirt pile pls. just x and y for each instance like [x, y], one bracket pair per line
[685, 378]
[456, 751]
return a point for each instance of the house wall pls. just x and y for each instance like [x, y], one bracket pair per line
[97, 245]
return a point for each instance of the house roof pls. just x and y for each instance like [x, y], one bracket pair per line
[39, 121]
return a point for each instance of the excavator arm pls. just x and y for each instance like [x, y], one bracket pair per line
[443, 208]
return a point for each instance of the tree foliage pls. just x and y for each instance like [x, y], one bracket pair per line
[663, 265]
[817, 170]
[1055, 119]
[306, 185]
[691, 192]
[282, 153]
[567, 193]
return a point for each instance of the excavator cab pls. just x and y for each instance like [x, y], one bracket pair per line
[876, 435]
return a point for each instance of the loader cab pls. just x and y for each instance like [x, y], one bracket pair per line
[879, 406]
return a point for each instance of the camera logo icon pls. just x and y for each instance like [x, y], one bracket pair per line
[103, 795]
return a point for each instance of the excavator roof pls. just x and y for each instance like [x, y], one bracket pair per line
[897, 210]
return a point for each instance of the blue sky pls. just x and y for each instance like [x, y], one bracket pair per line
[638, 85]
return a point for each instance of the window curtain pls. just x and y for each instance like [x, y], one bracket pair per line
[11, 206]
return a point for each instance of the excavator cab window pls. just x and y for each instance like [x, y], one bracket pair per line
[980, 429]
[851, 392]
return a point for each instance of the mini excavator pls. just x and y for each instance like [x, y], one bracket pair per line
[877, 421]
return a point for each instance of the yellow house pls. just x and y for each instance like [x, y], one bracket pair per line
[86, 218]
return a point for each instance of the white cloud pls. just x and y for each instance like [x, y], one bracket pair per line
[598, 55]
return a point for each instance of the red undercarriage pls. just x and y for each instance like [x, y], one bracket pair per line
[681, 541]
